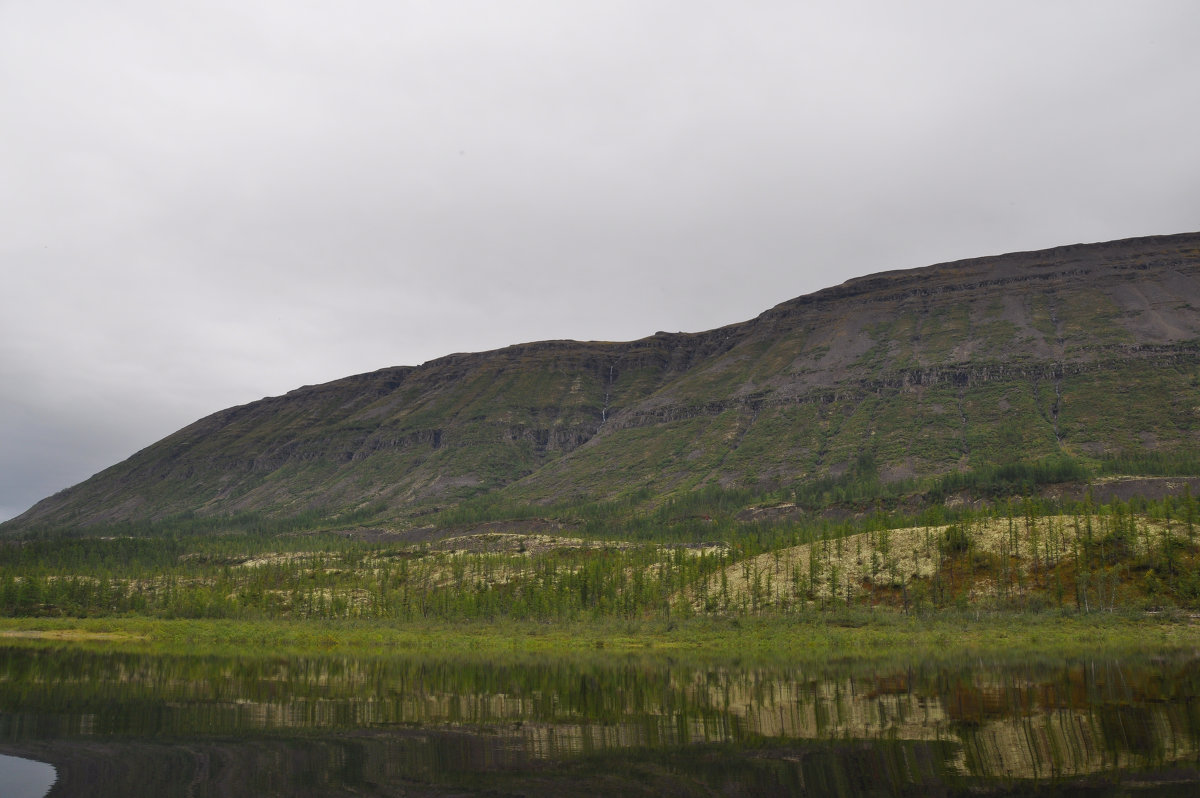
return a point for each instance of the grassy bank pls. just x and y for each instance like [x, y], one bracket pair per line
[817, 638]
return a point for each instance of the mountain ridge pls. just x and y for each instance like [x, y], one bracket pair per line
[925, 371]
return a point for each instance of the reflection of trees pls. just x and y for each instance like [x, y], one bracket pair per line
[1025, 721]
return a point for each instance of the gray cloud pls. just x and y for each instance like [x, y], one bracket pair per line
[205, 204]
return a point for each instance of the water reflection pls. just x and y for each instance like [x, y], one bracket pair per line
[152, 725]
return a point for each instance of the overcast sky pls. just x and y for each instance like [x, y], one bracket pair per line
[204, 203]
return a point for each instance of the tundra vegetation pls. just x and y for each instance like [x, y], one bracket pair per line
[1013, 434]
[1018, 542]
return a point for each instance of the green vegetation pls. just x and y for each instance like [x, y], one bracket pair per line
[822, 638]
[854, 544]
[1019, 478]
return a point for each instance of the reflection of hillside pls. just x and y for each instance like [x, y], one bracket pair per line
[431, 763]
[1029, 722]
[1040, 742]
[1037, 744]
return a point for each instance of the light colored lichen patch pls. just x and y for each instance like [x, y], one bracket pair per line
[890, 560]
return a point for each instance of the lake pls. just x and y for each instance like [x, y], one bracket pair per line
[131, 725]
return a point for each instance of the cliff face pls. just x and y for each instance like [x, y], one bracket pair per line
[1086, 350]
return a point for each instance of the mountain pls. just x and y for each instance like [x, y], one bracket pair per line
[1085, 351]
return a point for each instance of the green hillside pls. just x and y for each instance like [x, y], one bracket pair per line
[893, 384]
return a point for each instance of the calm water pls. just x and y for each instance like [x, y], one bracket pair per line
[133, 725]
[24, 778]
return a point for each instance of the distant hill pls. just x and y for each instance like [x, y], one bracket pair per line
[1085, 351]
